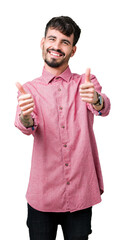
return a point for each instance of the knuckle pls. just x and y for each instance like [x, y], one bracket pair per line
[19, 98]
[82, 86]
[20, 103]
[30, 96]
[22, 108]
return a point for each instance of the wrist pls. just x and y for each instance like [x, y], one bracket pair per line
[98, 101]
[99, 105]
[26, 120]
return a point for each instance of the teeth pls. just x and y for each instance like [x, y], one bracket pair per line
[55, 54]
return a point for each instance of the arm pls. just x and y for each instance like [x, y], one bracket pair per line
[89, 92]
[26, 118]
[99, 103]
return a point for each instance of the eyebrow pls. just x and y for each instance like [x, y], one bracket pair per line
[51, 36]
[63, 40]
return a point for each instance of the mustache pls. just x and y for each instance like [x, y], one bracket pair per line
[58, 50]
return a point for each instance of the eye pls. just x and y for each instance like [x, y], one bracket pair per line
[65, 42]
[51, 39]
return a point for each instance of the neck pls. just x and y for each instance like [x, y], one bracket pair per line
[56, 71]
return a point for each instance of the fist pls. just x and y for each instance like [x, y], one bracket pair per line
[87, 90]
[25, 101]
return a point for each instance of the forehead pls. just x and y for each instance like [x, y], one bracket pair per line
[59, 35]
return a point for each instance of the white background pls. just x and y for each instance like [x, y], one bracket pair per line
[102, 48]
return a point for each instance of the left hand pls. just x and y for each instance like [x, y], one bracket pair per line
[87, 90]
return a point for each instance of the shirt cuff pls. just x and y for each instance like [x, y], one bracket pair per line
[22, 128]
[106, 108]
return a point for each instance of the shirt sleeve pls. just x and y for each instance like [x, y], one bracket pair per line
[106, 108]
[19, 125]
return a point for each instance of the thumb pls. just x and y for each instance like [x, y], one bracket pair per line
[87, 75]
[20, 88]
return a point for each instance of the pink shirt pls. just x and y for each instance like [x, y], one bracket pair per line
[65, 171]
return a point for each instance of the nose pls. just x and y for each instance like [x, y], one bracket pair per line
[57, 45]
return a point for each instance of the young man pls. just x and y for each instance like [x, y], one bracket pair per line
[58, 110]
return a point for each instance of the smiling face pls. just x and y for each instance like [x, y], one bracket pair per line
[57, 49]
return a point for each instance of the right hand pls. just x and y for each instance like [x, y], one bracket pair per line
[25, 101]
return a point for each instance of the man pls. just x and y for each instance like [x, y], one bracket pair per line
[58, 110]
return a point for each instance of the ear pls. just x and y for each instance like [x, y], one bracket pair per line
[42, 42]
[73, 51]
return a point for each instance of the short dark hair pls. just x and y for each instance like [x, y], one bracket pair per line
[66, 26]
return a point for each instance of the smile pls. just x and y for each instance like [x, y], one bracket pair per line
[55, 53]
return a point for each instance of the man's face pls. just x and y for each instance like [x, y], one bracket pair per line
[57, 48]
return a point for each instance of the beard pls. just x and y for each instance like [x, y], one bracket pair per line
[53, 62]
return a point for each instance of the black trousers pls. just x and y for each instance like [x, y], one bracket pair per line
[43, 225]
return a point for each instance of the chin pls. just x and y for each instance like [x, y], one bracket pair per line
[53, 63]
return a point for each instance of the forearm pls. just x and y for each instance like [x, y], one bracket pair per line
[26, 120]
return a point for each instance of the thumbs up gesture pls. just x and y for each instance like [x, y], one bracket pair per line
[25, 101]
[87, 90]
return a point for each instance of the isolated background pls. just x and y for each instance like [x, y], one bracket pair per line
[102, 48]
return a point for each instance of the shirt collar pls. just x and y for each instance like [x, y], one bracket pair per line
[47, 76]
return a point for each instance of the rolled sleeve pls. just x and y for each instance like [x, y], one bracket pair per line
[21, 127]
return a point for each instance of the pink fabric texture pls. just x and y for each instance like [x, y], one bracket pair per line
[65, 170]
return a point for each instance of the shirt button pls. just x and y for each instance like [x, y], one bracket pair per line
[59, 89]
[60, 108]
[65, 145]
[68, 183]
[66, 164]
[63, 126]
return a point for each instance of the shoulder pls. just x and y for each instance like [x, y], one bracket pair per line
[31, 86]
[81, 77]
